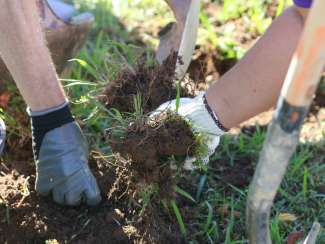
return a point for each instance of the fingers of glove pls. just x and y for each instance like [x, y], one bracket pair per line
[44, 191]
[167, 105]
[77, 186]
[73, 197]
[171, 105]
[91, 190]
[189, 163]
[58, 194]
[213, 143]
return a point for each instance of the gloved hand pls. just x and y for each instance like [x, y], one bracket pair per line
[62, 167]
[195, 110]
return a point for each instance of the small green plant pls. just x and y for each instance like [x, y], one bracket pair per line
[184, 194]
[137, 101]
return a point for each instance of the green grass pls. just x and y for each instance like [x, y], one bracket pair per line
[111, 46]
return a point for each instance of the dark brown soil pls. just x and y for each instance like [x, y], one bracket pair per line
[144, 167]
[239, 174]
[208, 67]
[27, 218]
[321, 189]
[155, 83]
[319, 100]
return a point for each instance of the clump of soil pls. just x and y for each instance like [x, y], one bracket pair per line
[208, 67]
[155, 83]
[145, 170]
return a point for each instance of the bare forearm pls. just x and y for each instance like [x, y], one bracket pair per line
[254, 84]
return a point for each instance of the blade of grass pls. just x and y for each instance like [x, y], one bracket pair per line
[201, 186]
[230, 226]
[184, 194]
[280, 8]
[178, 95]
[85, 65]
[179, 218]
[305, 183]
[209, 218]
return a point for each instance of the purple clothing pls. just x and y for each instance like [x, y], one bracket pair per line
[303, 3]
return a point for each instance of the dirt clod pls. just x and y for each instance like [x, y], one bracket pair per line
[153, 82]
[144, 171]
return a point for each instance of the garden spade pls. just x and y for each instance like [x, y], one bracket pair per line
[283, 133]
[187, 42]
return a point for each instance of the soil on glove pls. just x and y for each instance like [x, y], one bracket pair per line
[144, 167]
[153, 82]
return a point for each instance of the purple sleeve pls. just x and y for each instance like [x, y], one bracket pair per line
[303, 3]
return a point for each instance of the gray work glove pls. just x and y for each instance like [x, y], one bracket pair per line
[62, 167]
[195, 111]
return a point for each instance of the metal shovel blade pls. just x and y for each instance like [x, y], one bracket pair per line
[188, 41]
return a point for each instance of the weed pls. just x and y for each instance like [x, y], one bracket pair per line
[179, 217]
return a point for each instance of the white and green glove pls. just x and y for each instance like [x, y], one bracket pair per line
[203, 120]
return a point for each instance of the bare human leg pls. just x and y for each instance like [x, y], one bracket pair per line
[24, 51]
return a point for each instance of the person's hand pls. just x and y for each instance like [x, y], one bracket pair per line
[62, 167]
[195, 110]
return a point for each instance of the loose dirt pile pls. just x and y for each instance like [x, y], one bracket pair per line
[153, 82]
[25, 217]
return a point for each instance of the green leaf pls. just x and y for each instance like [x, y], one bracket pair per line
[184, 194]
[178, 95]
[209, 218]
[201, 186]
[179, 218]
[85, 65]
